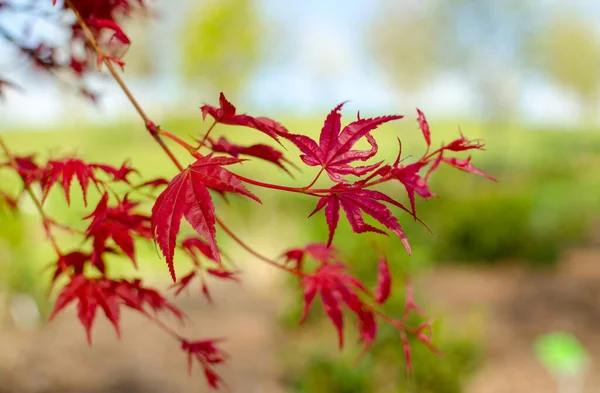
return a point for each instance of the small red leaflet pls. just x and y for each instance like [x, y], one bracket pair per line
[264, 152]
[206, 353]
[226, 114]
[384, 281]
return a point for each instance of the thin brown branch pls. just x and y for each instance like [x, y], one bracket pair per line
[34, 198]
[150, 126]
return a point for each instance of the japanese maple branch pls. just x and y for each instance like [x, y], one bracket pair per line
[150, 126]
[156, 131]
[252, 251]
[36, 201]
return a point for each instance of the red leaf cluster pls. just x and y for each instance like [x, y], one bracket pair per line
[118, 223]
[339, 290]
[109, 295]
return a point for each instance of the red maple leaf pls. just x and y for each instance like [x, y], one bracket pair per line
[208, 356]
[336, 288]
[358, 201]
[334, 152]
[68, 168]
[264, 152]
[226, 114]
[73, 263]
[119, 223]
[109, 295]
[195, 247]
[89, 294]
[187, 196]
[153, 184]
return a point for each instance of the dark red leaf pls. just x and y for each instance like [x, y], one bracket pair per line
[155, 183]
[261, 151]
[320, 252]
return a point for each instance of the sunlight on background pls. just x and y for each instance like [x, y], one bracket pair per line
[507, 264]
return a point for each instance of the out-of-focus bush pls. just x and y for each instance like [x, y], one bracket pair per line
[20, 283]
[382, 369]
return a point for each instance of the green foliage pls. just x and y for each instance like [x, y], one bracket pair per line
[569, 53]
[382, 369]
[221, 41]
[18, 269]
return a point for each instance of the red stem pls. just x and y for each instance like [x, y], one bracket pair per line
[208, 132]
[254, 252]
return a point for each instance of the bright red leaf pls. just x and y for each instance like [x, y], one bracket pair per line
[226, 114]
[358, 201]
[334, 152]
[187, 196]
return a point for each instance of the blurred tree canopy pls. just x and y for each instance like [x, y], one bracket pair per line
[403, 41]
[568, 52]
[222, 44]
[482, 41]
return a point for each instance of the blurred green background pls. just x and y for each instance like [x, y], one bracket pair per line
[515, 60]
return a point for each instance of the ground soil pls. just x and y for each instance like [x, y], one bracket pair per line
[509, 306]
